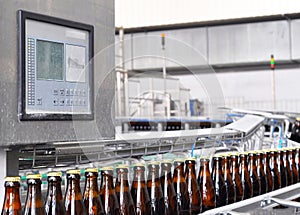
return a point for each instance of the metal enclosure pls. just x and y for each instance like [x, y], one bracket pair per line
[98, 13]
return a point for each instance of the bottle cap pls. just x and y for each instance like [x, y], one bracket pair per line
[91, 170]
[107, 168]
[13, 179]
[55, 174]
[204, 158]
[153, 163]
[34, 176]
[298, 118]
[234, 154]
[218, 156]
[167, 161]
[139, 164]
[179, 160]
[190, 159]
[73, 171]
[122, 166]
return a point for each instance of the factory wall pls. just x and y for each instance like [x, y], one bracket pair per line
[235, 55]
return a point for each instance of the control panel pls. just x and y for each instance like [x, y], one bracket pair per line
[56, 68]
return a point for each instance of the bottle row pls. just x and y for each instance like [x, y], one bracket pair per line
[234, 177]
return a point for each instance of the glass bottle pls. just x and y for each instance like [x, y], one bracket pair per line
[139, 191]
[288, 166]
[54, 204]
[228, 180]
[167, 186]
[206, 185]
[154, 189]
[274, 169]
[34, 203]
[12, 203]
[253, 174]
[297, 158]
[107, 192]
[123, 191]
[180, 187]
[267, 170]
[73, 197]
[292, 157]
[281, 167]
[219, 183]
[192, 186]
[261, 173]
[236, 179]
[91, 198]
[245, 177]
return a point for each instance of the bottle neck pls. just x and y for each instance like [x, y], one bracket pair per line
[190, 170]
[107, 181]
[73, 184]
[122, 178]
[12, 196]
[139, 174]
[252, 164]
[54, 189]
[234, 164]
[178, 170]
[166, 172]
[244, 165]
[153, 174]
[34, 194]
[204, 169]
[91, 186]
[226, 165]
[217, 167]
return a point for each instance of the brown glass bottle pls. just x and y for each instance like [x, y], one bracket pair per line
[274, 169]
[281, 167]
[54, 201]
[261, 173]
[12, 203]
[192, 186]
[139, 191]
[234, 169]
[206, 185]
[73, 197]
[297, 158]
[292, 158]
[219, 183]
[228, 180]
[123, 191]
[288, 167]
[267, 170]
[245, 177]
[34, 203]
[167, 186]
[91, 199]
[253, 174]
[154, 189]
[107, 192]
[180, 187]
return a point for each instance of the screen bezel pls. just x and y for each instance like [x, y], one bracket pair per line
[22, 17]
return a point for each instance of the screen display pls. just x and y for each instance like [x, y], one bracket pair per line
[49, 60]
[75, 63]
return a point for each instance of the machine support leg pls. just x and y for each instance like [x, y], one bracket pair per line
[9, 160]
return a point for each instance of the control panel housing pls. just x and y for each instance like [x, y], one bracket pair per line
[56, 69]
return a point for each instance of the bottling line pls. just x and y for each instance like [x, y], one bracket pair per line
[64, 118]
